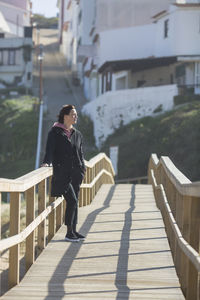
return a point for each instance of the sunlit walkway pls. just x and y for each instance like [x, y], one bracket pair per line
[125, 255]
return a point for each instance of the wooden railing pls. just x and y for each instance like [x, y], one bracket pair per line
[179, 201]
[35, 186]
[135, 180]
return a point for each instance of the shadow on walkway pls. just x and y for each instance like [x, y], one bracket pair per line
[75, 247]
[123, 290]
[121, 273]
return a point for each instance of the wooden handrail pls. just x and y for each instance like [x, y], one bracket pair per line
[25, 182]
[180, 181]
[193, 255]
[134, 179]
[179, 201]
[99, 170]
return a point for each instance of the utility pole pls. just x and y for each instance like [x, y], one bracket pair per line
[40, 58]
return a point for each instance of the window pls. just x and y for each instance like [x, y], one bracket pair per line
[79, 17]
[11, 57]
[197, 74]
[166, 28]
[79, 42]
[199, 24]
[1, 57]
[29, 76]
[171, 78]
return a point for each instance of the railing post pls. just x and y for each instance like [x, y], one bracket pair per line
[193, 279]
[30, 216]
[178, 199]
[195, 223]
[192, 283]
[81, 197]
[51, 232]
[0, 215]
[59, 220]
[93, 187]
[64, 204]
[14, 254]
[186, 213]
[84, 196]
[41, 208]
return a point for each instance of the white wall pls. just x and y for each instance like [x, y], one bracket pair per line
[88, 12]
[16, 17]
[67, 48]
[111, 109]
[113, 14]
[127, 43]
[148, 40]
[120, 80]
[184, 33]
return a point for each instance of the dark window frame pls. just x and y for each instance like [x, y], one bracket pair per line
[1, 57]
[11, 59]
[166, 28]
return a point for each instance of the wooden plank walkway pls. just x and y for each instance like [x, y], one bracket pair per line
[125, 255]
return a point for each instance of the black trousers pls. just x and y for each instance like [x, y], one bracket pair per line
[71, 197]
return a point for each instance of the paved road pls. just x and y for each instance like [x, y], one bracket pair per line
[57, 86]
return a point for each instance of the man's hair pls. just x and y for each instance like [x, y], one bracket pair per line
[65, 110]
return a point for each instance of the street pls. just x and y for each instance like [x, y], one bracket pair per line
[57, 87]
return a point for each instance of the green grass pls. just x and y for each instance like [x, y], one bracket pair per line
[175, 134]
[18, 135]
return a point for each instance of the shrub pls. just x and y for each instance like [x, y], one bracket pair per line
[181, 99]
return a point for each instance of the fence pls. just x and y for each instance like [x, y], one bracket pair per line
[35, 186]
[179, 201]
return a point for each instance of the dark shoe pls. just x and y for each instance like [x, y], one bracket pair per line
[71, 237]
[79, 236]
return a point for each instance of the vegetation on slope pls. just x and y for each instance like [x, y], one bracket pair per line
[43, 22]
[175, 134]
[85, 125]
[18, 136]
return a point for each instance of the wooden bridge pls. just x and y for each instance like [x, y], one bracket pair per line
[142, 241]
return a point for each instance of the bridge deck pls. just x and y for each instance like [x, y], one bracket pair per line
[125, 255]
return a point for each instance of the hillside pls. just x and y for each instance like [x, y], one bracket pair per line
[43, 22]
[18, 135]
[175, 134]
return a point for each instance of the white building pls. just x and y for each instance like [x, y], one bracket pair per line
[137, 54]
[163, 52]
[17, 14]
[68, 31]
[15, 44]
[117, 45]
[15, 62]
[81, 21]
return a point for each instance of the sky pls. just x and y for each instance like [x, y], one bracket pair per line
[47, 8]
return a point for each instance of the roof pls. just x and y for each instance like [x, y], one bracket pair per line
[160, 14]
[165, 12]
[96, 37]
[136, 65]
[92, 31]
[187, 4]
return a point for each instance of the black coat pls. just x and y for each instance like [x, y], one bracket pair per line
[66, 156]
